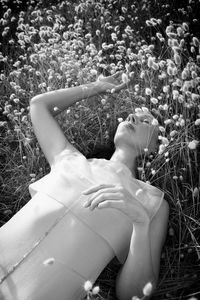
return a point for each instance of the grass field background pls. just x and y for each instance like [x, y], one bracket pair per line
[47, 45]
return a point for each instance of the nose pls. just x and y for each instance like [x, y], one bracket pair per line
[131, 118]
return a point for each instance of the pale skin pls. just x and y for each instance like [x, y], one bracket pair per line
[143, 260]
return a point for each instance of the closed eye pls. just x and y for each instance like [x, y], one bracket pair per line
[146, 121]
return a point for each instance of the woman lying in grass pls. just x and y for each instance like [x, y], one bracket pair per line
[85, 211]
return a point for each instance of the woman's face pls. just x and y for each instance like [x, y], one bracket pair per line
[137, 132]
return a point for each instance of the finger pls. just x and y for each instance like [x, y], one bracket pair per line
[97, 188]
[111, 204]
[101, 193]
[122, 86]
[104, 197]
[117, 74]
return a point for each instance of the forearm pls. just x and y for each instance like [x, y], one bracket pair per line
[138, 268]
[64, 98]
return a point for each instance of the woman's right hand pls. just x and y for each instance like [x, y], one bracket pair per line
[115, 82]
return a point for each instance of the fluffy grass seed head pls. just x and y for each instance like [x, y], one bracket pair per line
[95, 290]
[195, 192]
[154, 122]
[180, 31]
[197, 122]
[93, 72]
[195, 41]
[193, 144]
[145, 109]
[177, 59]
[148, 91]
[125, 78]
[138, 110]
[169, 71]
[88, 286]
[150, 61]
[166, 88]
[161, 149]
[185, 26]
[155, 66]
[119, 120]
[103, 101]
[154, 100]
[147, 290]
[49, 261]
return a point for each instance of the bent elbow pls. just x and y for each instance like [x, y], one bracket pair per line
[36, 99]
[125, 296]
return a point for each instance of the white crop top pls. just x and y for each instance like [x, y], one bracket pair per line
[72, 173]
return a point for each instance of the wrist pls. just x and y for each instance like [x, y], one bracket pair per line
[100, 86]
[89, 89]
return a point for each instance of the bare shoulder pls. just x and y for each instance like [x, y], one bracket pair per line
[162, 214]
[164, 209]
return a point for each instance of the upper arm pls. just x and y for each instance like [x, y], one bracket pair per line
[158, 231]
[48, 132]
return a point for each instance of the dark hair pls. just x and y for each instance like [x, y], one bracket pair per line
[106, 152]
[102, 151]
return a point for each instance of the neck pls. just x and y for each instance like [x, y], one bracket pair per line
[127, 157]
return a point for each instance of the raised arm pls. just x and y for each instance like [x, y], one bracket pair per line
[47, 130]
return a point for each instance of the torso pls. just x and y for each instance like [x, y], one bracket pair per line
[69, 243]
[80, 252]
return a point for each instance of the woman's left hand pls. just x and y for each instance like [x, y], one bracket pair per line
[116, 196]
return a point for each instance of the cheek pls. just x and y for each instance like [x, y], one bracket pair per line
[144, 136]
[149, 137]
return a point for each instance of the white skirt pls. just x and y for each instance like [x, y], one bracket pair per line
[57, 268]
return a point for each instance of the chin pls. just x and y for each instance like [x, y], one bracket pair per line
[125, 128]
[123, 139]
[123, 131]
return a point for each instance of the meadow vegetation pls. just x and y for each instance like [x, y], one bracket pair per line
[47, 46]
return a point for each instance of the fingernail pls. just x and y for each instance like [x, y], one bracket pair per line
[86, 204]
